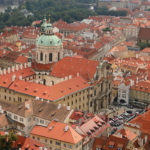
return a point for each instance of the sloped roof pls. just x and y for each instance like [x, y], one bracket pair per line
[144, 34]
[57, 132]
[54, 92]
[73, 65]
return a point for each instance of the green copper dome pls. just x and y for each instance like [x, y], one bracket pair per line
[48, 40]
[47, 37]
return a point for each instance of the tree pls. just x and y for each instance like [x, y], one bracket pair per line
[6, 141]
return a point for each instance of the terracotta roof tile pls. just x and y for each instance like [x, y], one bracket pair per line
[56, 130]
[54, 92]
[71, 66]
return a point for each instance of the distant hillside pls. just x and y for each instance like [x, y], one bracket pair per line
[10, 2]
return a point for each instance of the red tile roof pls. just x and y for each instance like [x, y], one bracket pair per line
[21, 59]
[6, 80]
[54, 92]
[56, 130]
[42, 67]
[143, 86]
[72, 65]
[143, 121]
[27, 143]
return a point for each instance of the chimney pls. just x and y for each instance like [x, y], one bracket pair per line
[66, 78]
[21, 66]
[25, 65]
[4, 51]
[1, 72]
[145, 139]
[78, 74]
[8, 70]
[51, 83]
[4, 71]
[13, 77]
[66, 128]
[70, 76]
[17, 68]
[20, 77]
[13, 69]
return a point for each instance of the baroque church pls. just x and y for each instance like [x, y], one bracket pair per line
[76, 82]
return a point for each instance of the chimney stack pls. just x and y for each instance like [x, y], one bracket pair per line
[8, 70]
[4, 71]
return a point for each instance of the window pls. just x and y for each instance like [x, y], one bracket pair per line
[15, 117]
[41, 56]
[19, 99]
[70, 146]
[50, 57]
[38, 139]
[57, 143]
[64, 145]
[9, 98]
[33, 137]
[9, 114]
[42, 121]
[45, 140]
[50, 141]
[21, 119]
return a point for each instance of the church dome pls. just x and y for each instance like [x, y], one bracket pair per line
[48, 40]
[47, 37]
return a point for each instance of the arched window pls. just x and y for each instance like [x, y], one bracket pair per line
[50, 57]
[41, 56]
[58, 56]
